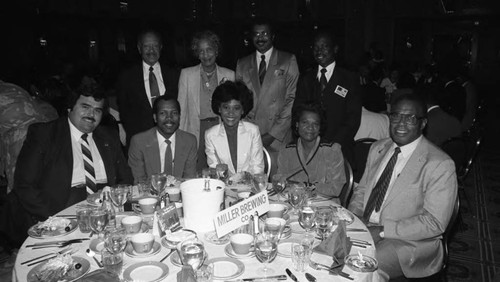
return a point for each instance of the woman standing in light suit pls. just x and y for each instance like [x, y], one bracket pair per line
[234, 142]
[196, 86]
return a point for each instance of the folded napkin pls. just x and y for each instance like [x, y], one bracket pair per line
[100, 275]
[186, 274]
[337, 245]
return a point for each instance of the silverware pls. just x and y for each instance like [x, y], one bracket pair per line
[46, 257]
[356, 230]
[278, 277]
[91, 254]
[292, 276]
[56, 242]
[310, 278]
[167, 255]
[363, 246]
[357, 241]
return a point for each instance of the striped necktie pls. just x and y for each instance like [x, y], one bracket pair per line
[89, 166]
[262, 68]
[378, 193]
[168, 158]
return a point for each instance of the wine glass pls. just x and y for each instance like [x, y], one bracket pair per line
[260, 180]
[119, 196]
[307, 218]
[324, 221]
[158, 181]
[266, 249]
[222, 172]
[296, 196]
[192, 252]
[279, 184]
[115, 239]
[98, 221]
[274, 226]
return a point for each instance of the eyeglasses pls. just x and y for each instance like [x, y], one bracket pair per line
[408, 119]
[263, 34]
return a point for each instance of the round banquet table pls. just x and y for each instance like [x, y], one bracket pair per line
[279, 265]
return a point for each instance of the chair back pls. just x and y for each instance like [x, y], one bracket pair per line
[456, 148]
[447, 232]
[267, 162]
[361, 150]
[345, 194]
[474, 142]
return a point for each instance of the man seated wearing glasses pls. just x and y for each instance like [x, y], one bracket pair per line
[406, 195]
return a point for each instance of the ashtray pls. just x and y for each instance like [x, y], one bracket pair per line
[361, 263]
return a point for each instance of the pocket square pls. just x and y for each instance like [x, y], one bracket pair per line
[279, 72]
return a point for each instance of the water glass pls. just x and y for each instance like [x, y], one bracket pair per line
[306, 217]
[158, 182]
[83, 217]
[119, 196]
[192, 252]
[324, 221]
[296, 196]
[266, 250]
[298, 257]
[260, 180]
[115, 239]
[204, 273]
[98, 221]
[279, 184]
[112, 262]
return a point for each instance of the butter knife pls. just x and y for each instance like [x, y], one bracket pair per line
[278, 277]
[291, 275]
[310, 278]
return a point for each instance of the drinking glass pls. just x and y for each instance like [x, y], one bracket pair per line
[279, 184]
[115, 239]
[112, 262]
[306, 218]
[266, 249]
[222, 172]
[98, 221]
[119, 195]
[296, 196]
[192, 252]
[324, 221]
[158, 182]
[260, 180]
[274, 228]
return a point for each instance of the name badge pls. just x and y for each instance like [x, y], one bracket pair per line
[341, 91]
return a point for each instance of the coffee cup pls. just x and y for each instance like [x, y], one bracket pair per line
[142, 242]
[147, 205]
[241, 243]
[276, 210]
[174, 194]
[132, 224]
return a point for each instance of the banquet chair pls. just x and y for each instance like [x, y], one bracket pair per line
[345, 194]
[267, 162]
[361, 149]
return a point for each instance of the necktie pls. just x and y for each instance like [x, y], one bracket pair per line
[378, 194]
[322, 79]
[89, 166]
[168, 158]
[262, 68]
[153, 85]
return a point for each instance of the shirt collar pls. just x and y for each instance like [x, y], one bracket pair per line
[267, 54]
[432, 108]
[162, 139]
[329, 70]
[75, 132]
[222, 129]
[407, 149]
[145, 68]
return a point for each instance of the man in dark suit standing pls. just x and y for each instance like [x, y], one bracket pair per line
[163, 148]
[64, 160]
[140, 85]
[337, 90]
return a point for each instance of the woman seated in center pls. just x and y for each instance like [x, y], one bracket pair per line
[234, 142]
[309, 160]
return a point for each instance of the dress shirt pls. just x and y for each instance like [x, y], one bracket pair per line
[78, 176]
[163, 147]
[403, 157]
[159, 78]
[268, 57]
[329, 71]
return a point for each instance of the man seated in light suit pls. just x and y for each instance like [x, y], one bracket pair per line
[408, 217]
[163, 148]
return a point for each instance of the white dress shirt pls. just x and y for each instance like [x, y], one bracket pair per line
[403, 157]
[159, 79]
[268, 57]
[329, 71]
[162, 145]
[78, 176]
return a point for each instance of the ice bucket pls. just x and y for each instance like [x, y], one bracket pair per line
[200, 207]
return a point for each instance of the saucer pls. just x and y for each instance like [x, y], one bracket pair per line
[171, 240]
[226, 268]
[129, 250]
[146, 271]
[230, 252]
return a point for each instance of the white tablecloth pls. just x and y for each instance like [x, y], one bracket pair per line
[251, 264]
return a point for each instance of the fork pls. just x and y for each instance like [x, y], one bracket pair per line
[333, 270]
[49, 254]
[60, 245]
[70, 252]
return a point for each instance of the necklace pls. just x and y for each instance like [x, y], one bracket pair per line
[209, 75]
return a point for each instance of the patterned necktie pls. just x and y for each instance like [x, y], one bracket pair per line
[153, 85]
[262, 68]
[322, 79]
[378, 194]
[168, 158]
[89, 166]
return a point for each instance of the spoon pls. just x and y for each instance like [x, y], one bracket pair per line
[91, 254]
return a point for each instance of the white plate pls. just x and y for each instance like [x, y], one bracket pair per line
[147, 271]
[230, 252]
[70, 276]
[96, 245]
[129, 251]
[33, 231]
[226, 268]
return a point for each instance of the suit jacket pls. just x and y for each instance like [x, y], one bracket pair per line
[189, 96]
[250, 152]
[343, 114]
[136, 114]
[45, 166]
[418, 207]
[441, 126]
[273, 100]
[144, 155]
